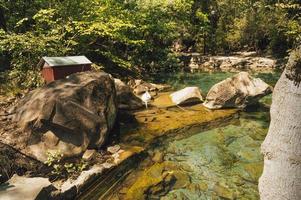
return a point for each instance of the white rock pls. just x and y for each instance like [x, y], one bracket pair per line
[186, 95]
[89, 154]
[113, 149]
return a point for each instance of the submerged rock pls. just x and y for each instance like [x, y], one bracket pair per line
[157, 180]
[238, 91]
[66, 116]
[182, 179]
[187, 95]
[157, 157]
[125, 97]
[224, 192]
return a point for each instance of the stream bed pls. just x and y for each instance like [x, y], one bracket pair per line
[220, 163]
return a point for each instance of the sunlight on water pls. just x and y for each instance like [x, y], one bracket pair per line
[221, 163]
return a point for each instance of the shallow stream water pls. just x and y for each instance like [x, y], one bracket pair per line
[221, 163]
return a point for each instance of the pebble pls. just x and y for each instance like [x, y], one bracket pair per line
[107, 165]
[89, 154]
[113, 149]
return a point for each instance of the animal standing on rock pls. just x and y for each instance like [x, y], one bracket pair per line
[146, 97]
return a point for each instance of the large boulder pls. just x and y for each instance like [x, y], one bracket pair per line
[125, 97]
[187, 95]
[238, 91]
[67, 116]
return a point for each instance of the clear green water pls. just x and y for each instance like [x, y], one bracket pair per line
[205, 80]
[226, 161]
[221, 163]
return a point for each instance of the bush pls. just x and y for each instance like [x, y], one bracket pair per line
[24, 51]
[64, 169]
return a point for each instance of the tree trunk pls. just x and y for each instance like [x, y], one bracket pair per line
[2, 19]
[281, 178]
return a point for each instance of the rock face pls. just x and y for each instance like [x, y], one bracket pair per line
[238, 91]
[231, 63]
[187, 95]
[125, 97]
[281, 178]
[68, 115]
[139, 87]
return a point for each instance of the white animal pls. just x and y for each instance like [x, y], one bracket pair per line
[146, 97]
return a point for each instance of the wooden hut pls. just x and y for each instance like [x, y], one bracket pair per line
[54, 68]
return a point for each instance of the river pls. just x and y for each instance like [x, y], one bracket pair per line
[221, 163]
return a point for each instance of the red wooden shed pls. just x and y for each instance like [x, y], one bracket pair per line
[54, 68]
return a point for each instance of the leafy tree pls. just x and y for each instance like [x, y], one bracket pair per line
[144, 36]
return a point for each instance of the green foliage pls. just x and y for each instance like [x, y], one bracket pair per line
[25, 50]
[62, 169]
[140, 35]
[262, 25]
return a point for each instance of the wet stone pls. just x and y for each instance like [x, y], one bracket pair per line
[203, 186]
[224, 192]
[182, 179]
[157, 157]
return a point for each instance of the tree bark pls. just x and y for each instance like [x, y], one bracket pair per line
[281, 178]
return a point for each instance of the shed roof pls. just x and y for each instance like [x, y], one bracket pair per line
[64, 61]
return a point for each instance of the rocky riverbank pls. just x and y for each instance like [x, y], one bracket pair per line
[61, 112]
[241, 61]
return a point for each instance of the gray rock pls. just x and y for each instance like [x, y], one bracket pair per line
[84, 179]
[244, 61]
[66, 116]
[125, 97]
[187, 95]
[238, 91]
[139, 87]
[19, 187]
